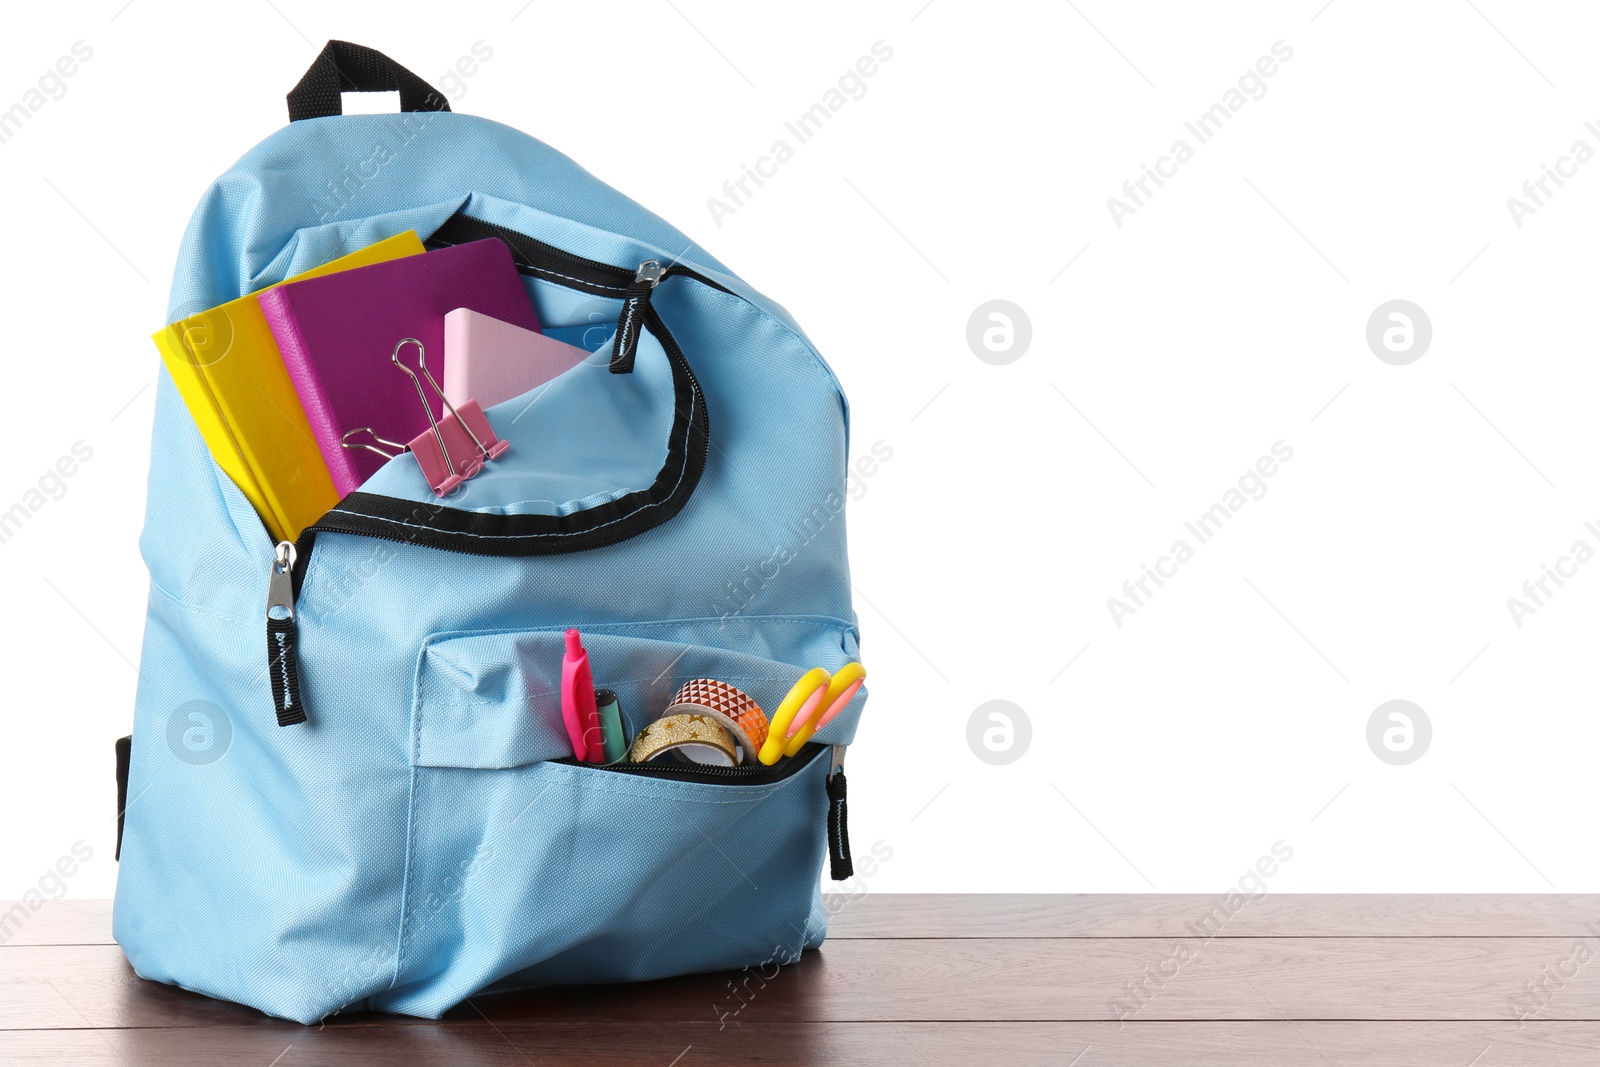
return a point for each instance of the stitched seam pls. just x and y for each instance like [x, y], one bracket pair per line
[198, 609]
[835, 625]
[608, 497]
[792, 620]
[557, 274]
[611, 683]
[413, 802]
[575, 278]
[411, 814]
[818, 363]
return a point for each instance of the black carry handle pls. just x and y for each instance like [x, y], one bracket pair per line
[343, 67]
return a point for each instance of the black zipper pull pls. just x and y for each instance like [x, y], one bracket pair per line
[840, 865]
[631, 321]
[281, 662]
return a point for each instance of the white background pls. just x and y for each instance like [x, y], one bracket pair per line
[1227, 314]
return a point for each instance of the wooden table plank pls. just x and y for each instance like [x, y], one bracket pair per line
[1167, 915]
[1305, 1044]
[72, 986]
[973, 980]
[950, 915]
[55, 922]
[1089, 980]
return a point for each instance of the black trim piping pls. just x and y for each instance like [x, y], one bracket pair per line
[537, 259]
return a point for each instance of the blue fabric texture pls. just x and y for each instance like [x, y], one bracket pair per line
[413, 843]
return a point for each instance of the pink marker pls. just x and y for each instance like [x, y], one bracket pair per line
[578, 709]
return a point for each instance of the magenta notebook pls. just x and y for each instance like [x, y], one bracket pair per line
[337, 332]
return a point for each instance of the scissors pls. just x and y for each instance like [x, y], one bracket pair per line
[811, 704]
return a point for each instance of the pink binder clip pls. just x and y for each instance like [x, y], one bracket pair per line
[454, 447]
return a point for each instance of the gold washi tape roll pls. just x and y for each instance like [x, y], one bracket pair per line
[727, 704]
[696, 738]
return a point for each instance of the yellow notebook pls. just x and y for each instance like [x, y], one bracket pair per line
[228, 370]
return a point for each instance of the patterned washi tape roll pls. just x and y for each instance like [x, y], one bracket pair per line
[729, 706]
[696, 738]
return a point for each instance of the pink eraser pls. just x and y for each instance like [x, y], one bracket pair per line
[491, 361]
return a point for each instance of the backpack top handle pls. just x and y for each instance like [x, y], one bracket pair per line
[342, 67]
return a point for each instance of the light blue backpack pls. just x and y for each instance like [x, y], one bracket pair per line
[423, 835]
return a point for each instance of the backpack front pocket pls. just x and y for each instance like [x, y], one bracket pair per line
[525, 868]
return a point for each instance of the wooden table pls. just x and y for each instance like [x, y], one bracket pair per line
[980, 981]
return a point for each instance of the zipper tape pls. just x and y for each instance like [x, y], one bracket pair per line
[744, 773]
